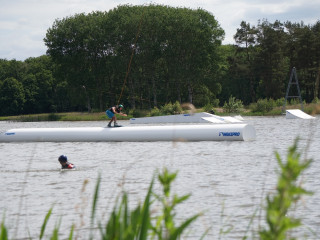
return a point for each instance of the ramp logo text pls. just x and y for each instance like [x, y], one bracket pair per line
[229, 134]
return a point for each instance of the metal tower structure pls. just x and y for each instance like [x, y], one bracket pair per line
[292, 82]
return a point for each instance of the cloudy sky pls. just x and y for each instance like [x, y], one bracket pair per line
[23, 23]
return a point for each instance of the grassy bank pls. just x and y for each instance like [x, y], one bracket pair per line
[70, 116]
[311, 109]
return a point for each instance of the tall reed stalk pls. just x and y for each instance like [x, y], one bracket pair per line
[288, 193]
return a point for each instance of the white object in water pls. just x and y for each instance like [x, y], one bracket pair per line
[207, 132]
[217, 119]
[239, 117]
[297, 113]
[202, 117]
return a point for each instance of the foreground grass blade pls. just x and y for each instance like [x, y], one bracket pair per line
[94, 204]
[71, 232]
[145, 221]
[44, 224]
[3, 232]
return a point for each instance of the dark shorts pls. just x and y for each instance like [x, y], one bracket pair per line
[109, 114]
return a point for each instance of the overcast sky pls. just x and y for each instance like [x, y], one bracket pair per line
[24, 23]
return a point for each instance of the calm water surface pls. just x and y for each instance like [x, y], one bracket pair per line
[228, 180]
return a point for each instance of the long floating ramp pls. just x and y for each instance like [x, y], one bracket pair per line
[202, 117]
[209, 132]
[297, 113]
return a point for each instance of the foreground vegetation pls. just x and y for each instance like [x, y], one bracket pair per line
[143, 222]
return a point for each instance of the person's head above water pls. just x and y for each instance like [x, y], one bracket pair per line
[63, 159]
[64, 162]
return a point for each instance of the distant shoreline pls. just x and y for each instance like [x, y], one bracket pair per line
[100, 116]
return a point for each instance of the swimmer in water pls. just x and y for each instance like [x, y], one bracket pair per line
[64, 163]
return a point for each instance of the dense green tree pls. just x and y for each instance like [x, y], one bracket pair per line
[12, 68]
[264, 56]
[11, 97]
[304, 55]
[31, 91]
[273, 63]
[246, 39]
[316, 31]
[147, 56]
[39, 85]
[138, 53]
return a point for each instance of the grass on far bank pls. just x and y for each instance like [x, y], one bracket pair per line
[67, 116]
[311, 109]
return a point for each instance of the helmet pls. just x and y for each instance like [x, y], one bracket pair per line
[63, 158]
[120, 106]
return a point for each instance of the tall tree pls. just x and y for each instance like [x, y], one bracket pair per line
[245, 38]
[11, 97]
[272, 59]
[137, 52]
[316, 30]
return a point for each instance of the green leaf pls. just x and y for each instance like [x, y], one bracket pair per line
[178, 231]
[44, 224]
[3, 232]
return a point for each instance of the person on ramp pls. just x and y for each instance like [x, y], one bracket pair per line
[64, 163]
[111, 113]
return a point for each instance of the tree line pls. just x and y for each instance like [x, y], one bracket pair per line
[264, 55]
[148, 56]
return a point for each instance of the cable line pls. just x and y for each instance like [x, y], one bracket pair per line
[133, 49]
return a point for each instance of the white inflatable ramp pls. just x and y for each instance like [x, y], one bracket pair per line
[202, 117]
[297, 113]
[217, 119]
[195, 132]
[178, 118]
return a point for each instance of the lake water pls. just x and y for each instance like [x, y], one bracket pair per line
[228, 181]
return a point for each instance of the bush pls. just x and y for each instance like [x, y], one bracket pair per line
[212, 104]
[215, 102]
[315, 100]
[177, 109]
[234, 105]
[279, 102]
[295, 101]
[264, 105]
[155, 112]
[167, 109]
[208, 107]
[136, 113]
[170, 109]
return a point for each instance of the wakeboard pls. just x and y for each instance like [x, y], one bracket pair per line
[114, 126]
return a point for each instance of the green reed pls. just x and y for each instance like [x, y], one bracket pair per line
[44, 224]
[3, 231]
[165, 227]
[288, 193]
[140, 223]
